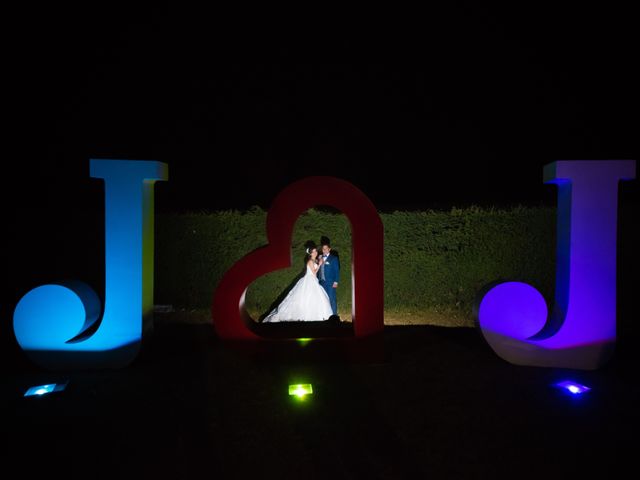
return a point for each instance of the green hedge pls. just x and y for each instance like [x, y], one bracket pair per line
[434, 261]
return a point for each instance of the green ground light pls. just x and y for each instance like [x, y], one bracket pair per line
[300, 390]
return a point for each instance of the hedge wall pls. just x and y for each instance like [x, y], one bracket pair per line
[434, 261]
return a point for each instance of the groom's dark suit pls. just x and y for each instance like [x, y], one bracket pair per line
[330, 273]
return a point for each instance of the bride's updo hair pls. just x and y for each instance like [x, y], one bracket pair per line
[309, 247]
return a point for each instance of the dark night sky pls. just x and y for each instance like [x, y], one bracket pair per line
[240, 107]
[454, 106]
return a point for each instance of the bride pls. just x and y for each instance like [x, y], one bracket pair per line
[307, 300]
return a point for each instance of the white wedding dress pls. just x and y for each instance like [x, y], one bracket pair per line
[307, 301]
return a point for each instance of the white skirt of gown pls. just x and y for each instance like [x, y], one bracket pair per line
[307, 301]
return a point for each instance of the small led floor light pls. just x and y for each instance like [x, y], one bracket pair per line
[300, 390]
[40, 390]
[573, 387]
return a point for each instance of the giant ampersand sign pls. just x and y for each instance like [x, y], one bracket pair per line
[230, 317]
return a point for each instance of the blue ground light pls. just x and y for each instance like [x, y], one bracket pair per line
[573, 387]
[40, 390]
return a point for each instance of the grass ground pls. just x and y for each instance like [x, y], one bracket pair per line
[433, 318]
[418, 402]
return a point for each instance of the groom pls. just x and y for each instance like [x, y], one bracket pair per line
[329, 274]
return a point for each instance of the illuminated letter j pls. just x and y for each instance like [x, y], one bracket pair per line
[60, 325]
[580, 332]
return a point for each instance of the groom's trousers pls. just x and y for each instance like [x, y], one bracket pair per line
[333, 299]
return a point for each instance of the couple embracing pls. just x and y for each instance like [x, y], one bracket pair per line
[313, 297]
